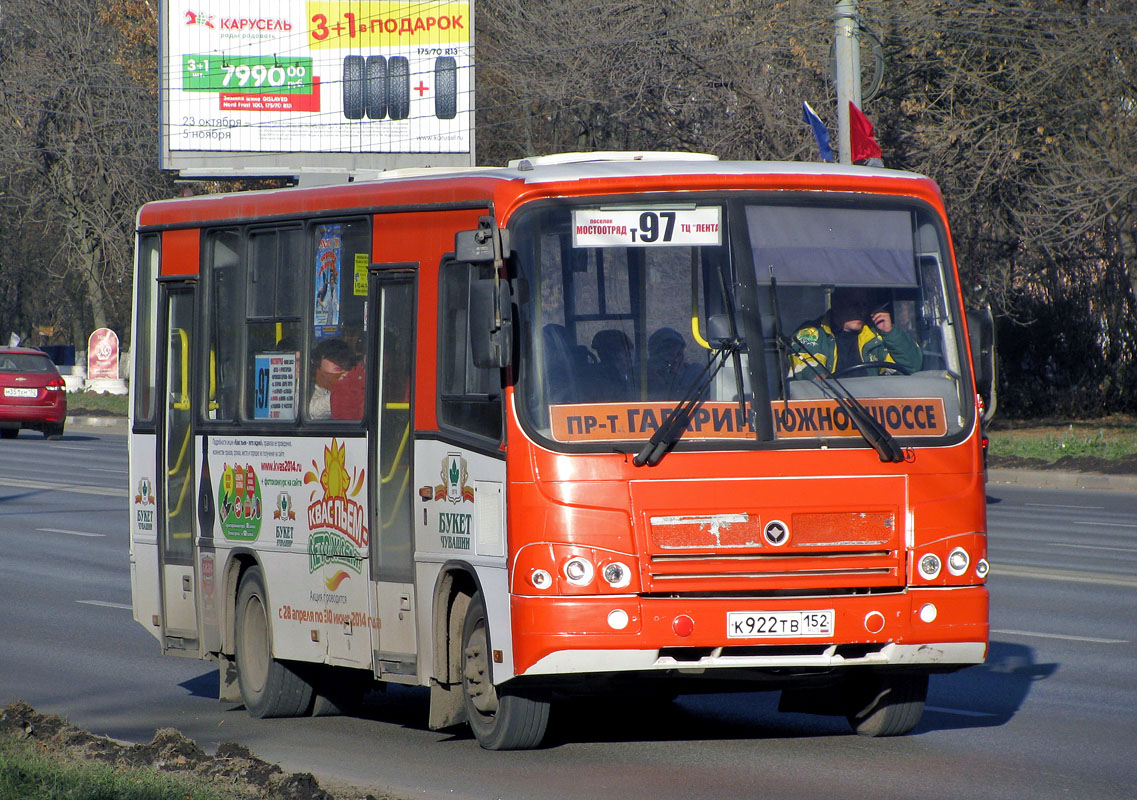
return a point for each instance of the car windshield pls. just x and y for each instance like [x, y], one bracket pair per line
[623, 306]
[25, 362]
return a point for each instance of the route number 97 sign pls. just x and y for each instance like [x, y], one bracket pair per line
[650, 226]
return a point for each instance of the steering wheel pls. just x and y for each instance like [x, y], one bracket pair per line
[867, 365]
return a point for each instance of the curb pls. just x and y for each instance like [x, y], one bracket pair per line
[1055, 479]
[118, 423]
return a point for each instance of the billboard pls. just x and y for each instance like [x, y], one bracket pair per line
[292, 86]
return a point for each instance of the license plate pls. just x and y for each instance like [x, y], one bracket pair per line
[779, 624]
[16, 391]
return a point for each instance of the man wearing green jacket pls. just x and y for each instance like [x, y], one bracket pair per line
[854, 332]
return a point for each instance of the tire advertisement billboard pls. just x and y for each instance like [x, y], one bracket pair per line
[307, 84]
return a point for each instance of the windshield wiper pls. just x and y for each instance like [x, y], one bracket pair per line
[873, 432]
[676, 422]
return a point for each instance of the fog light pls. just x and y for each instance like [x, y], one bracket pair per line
[930, 566]
[541, 579]
[617, 575]
[578, 571]
[618, 619]
[874, 622]
[928, 612]
[957, 561]
[982, 568]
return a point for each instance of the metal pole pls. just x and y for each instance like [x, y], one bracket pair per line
[848, 56]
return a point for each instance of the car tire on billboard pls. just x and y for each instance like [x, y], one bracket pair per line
[353, 80]
[445, 87]
[376, 87]
[399, 87]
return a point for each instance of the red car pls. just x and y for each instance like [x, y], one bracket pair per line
[32, 393]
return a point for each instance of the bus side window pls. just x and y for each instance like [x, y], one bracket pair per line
[470, 396]
[224, 319]
[337, 296]
[272, 324]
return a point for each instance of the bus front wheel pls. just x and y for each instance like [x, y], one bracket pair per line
[887, 705]
[269, 688]
[502, 719]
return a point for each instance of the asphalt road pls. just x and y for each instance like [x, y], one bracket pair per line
[1053, 714]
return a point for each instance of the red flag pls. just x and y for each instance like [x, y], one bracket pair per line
[861, 133]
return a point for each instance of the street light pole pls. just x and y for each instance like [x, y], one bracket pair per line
[847, 52]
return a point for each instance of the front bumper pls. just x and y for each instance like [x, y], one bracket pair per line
[559, 636]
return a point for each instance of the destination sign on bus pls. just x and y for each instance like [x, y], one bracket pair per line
[598, 422]
[647, 227]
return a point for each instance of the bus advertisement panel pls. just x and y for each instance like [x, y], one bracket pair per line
[331, 77]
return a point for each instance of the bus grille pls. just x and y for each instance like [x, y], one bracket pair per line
[786, 544]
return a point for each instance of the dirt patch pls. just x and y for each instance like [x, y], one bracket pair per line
[231, 765]
[1126, 465]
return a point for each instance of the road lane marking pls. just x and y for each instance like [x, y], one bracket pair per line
[963, 712]
[105, 604]
[71, 533]
[71, 447]
[1066, 637]
[1111, 524]
[1073, 576]
[77, 488]
[1055, 505]
[1092, 547]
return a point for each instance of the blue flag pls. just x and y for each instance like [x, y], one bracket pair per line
[820, 132]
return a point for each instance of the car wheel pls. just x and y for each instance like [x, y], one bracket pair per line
[376, 87]
[53, 431]
[445, 87]
[353, 87]
[501, 718]
[398, 87]
[269, 688]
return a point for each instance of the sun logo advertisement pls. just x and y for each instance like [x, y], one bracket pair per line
[338, 522]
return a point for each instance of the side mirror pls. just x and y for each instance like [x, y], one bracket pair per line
[491, 323]
[485, 243]
[981, 335]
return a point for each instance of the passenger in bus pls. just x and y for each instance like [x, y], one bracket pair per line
[565, 364]
[615, 367]
[856, 330]
[332, 359]
[669, 374]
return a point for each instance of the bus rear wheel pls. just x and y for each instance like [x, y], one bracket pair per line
[269, 688]
[502, 719]
[887, 705]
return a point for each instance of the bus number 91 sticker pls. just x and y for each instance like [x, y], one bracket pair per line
[647, 227]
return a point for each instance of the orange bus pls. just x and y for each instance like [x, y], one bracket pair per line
[637, 423]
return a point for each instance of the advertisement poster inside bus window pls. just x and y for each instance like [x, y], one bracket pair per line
[329, 244]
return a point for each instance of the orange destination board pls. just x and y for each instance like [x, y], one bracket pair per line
[599, 422]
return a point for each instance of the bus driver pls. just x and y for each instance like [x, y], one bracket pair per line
[850, 334]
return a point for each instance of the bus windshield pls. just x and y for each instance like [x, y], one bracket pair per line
[623, 306]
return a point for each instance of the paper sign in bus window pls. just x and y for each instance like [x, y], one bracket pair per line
[329, 279]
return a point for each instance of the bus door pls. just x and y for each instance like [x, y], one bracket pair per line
[391, 327]
[178, 498]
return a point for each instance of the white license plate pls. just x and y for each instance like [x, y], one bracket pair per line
[16, 391]
[779, 624]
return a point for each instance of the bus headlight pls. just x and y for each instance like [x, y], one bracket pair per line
[617, 575]
[982, 568]
[957, 561]
[579, 571]
[540, 579]
[929, 566]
